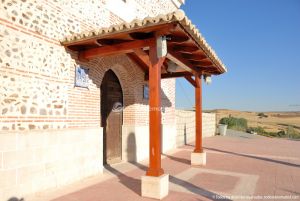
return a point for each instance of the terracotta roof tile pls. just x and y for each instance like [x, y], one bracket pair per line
[177, 16]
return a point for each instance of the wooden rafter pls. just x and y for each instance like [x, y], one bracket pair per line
[176, 58]
[138, 61]
[190, 80]
[201, 63]
[170, 75]
[141, 58]
[122, 48]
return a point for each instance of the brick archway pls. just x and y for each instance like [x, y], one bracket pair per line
[111, 117]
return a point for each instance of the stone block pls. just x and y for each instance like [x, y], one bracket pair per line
[8, 178]
[50, 153]
[23, 189]
[51, 138]
[8, 142]
[9, 192]
[155, 187]
[10, 159]
[198, 158]
[25, 157]
[38, 168]
[30, 140]
[27, 174]
[1, 160]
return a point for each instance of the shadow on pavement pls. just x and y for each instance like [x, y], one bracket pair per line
[255, 157]
[15, 199]
[293, 192]
[180, 160]
[130, 182]
[189, 186]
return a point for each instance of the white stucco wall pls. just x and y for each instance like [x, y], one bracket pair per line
[34, 161]
[39, 148]
[135, 141]
[185, 126]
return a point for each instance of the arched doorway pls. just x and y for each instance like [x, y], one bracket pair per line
[111, 117]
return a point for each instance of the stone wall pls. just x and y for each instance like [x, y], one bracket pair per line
[185, 126]
[38, 100]
[37, 74]
[31, 161]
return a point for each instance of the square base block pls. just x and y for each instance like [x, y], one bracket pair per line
[198, 158]
[155, 187]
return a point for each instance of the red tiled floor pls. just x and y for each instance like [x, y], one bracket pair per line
[215, 182]
[243, 165]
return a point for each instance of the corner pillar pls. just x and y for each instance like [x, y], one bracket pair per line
[198, 157]
[155, 184]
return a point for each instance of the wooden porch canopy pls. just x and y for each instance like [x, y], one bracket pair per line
[187, 55]
[186, 47]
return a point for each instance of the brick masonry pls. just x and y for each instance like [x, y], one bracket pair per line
[50, 131]
[37, 74]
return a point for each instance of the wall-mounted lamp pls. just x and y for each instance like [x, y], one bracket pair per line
[172, 67]
[207, 79]
[161, 45]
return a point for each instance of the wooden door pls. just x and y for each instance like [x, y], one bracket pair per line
[111, 113]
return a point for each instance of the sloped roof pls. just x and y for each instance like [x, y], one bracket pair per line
[177, 17]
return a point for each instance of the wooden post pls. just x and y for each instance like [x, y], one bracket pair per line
[198, 102]
[155, 113]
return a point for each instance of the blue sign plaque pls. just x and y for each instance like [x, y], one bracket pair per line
[81, 77]
[146, 92]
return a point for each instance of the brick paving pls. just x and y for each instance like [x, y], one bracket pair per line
[238, 165]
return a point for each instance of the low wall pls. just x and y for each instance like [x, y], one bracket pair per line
[34, 161]
[135, 141]
[185, 126]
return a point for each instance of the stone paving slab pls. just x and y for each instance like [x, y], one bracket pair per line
[241, 166]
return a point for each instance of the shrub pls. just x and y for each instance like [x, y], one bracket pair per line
[261, 115]
[292, 133]
[281, 134]
[290, 130]
[234, 123]
[259, 130]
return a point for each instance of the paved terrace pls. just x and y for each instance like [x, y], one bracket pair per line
[238, 164]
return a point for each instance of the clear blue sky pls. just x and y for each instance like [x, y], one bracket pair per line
[259, 42]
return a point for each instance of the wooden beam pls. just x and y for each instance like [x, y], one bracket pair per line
[170, 75]
[138, 61]
[185, 64]
[190, 80]
[182, 48]
[178, 39]
[208, 69]
[121, 48]
[201, 63]
[155, 113]
[194, 57]
[141, 58]
[198, 114]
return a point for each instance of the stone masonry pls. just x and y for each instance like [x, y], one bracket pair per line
[37, 73]
[50, 131]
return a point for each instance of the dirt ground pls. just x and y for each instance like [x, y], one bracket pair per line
[274, 122]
